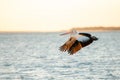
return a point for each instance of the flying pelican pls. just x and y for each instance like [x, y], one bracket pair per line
[77, 41]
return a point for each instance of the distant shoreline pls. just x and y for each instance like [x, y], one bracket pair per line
[96, 29]
[82, 29]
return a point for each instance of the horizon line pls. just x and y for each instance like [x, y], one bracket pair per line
[100, 28]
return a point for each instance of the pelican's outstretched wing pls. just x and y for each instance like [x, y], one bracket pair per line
[68, 44]
[72, 46]
[75, 47]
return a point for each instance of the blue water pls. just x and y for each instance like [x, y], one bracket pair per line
[36, 56]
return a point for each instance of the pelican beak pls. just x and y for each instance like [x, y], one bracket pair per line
[65, 33]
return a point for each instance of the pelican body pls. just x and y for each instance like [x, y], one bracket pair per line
[77, 41]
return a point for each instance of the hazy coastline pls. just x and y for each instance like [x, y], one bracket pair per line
[83, 29]
[96, 29]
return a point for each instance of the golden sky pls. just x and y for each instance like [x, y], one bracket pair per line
[55, 15]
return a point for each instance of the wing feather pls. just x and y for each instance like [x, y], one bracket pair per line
[75, 47]
[68, 44]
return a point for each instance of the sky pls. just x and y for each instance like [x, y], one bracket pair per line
[57, 15]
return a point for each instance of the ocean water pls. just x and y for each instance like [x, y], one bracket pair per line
[36, 56]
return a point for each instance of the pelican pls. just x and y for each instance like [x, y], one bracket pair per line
[77, 41]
